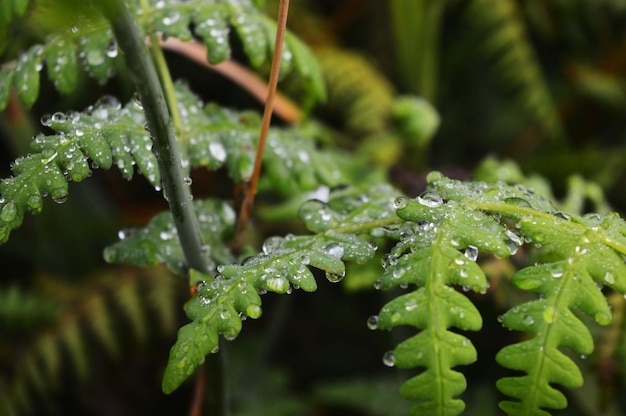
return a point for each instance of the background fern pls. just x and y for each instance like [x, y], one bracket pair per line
[430, 247]
[86, 328]
[89, 38]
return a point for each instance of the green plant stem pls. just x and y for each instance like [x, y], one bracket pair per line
[144, 75]
[168, 85]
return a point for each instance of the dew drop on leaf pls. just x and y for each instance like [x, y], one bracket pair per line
[471, 253]
[609, 278]
[557, 271]
[335, 277]
[112, 50]
[372, 322]
[334, 250]
[46, 120]
[430, 199]
[389, 359]
[59, 196]
[272, 244]
[9, 212]
[400, 202]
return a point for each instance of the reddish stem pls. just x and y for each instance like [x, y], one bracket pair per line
[250, 191]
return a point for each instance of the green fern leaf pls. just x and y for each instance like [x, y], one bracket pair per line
[580, 253]
[516, 61]
[439, 252]
[106, 133]
[222, 302]
[92, 41]
[100, 321]
[111, 134]
[11, 8]
[158, 242]
[6, 81]
[75, 344]
[591, 255]
[219, 137]
[26, 77]
[62, 65]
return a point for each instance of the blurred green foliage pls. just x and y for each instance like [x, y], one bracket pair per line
[537, 84]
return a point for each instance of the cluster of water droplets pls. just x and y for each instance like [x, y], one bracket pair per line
[97, 51]
[318, 216]
[212, 27]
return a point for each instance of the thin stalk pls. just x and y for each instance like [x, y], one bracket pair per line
[167, 84]
[250, 192]
[144, 75]
[164, 73]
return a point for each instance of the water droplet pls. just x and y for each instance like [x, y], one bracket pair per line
[112, 50]
[500, 318]
[137, 100]
[187, 180]
[225, 314]
[109, 101]
[389, 359]
[334, 250]
[58, 117]
[609, 278]
[389, 260]
[9, 212]
[430, 199]
[372, 322]
[400, 202]
[59, 196]
[471, 253]
[272, 244]
[217, 151]
[529, 320]
[335, 277]
[46, 120]
[378, 284]
[557, 271]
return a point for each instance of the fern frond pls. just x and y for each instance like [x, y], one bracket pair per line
[587, 251]
[515, 60]
[233, 295]
[106, 133]
[92, 43]
[158, 242]
[40, 368]
[357, 93]
[581, 253]
[111, 134]
[19, 309]
[440, 252]
[12, 8]
[579, 190]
